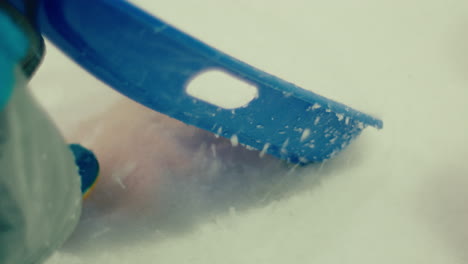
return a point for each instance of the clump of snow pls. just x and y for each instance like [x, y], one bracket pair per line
[317, 120]
[264, 150]
[305, 134]
[340, 117]
[234, 140]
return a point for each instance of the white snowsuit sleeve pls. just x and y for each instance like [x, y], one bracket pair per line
[40, 196]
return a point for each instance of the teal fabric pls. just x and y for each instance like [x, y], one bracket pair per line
[13, 47]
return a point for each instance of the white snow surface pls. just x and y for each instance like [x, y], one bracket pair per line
[398, 195]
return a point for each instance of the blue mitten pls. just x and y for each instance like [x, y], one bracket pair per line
[13, 47]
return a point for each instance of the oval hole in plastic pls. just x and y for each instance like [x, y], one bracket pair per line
[221, 89]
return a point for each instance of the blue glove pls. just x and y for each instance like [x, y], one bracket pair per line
[13, 47]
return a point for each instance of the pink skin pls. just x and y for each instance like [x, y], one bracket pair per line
[138, 149]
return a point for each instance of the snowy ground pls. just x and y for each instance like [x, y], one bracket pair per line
[394, 196]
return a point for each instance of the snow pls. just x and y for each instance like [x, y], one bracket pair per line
[317, 120]
[264, 150]
[393, 196]
[305, 134]
[340, 116]
[234, 141]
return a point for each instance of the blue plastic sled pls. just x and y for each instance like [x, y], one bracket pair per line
[151, 62]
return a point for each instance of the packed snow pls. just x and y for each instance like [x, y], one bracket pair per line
[398, 195]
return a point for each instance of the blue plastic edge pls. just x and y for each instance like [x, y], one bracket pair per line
[151, 62]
